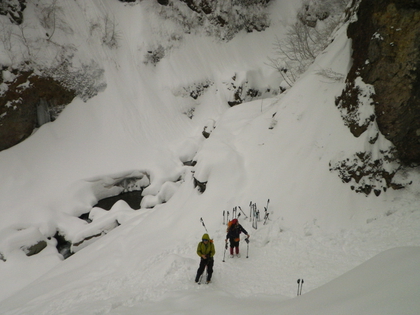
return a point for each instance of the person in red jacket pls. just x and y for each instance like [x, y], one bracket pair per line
[234, 230]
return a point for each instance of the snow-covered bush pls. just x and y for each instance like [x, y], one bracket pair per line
[191, 93]
[87, 80]
[298, 49]
[51, 17]
[26, 41]
[153, 56]
[313, 11]
[222, 19]
[111, 35]
[244, 87]
[306, 38]
[366, 174]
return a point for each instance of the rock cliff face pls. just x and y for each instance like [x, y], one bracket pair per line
[27, 101]
[386, 55]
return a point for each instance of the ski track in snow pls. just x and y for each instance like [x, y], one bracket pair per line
[272, 269]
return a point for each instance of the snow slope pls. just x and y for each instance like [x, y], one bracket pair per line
[278, 148]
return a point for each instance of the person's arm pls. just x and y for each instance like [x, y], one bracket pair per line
[244, 231]
[200, 252]
[228, 235]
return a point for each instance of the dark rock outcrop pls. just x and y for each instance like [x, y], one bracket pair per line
[132, 198]
[13, 9]
[201, 186]
[20, 104]
[63, 246]
[35, 249]
[386, 54]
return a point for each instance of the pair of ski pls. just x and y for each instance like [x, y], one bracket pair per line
[300, 285]
[254, 214]
[226, 214]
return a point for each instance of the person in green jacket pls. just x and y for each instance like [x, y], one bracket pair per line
[206, 251]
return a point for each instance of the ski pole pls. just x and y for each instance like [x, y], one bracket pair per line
[247, 247]
[201, 277]
[243, 212]
[298, 286]
[202, 222]
[224, 253]
[301, 285]
[266, 212]
[265, 218]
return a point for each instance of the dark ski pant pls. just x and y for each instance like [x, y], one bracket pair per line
[234, 244]
[203, 263]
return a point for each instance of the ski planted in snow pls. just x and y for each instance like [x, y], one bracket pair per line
[300, 285]
[202, 222]
[242, 212]
[266, 214]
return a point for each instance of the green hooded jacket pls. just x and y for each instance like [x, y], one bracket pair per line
[206, 249]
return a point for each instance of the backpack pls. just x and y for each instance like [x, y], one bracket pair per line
[230, 224]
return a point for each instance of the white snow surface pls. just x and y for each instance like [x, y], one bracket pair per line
[357, 254]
